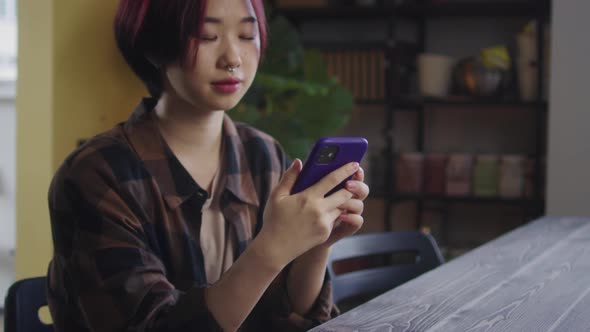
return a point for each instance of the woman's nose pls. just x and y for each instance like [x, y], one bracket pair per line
[231, 56]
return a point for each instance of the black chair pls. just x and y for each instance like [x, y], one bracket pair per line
[22, 304]
[421, 249]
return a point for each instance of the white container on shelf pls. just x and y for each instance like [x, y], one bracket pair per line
[434, 74]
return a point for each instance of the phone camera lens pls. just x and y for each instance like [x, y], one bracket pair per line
[327, 154]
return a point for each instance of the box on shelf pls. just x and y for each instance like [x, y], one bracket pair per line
[460, 174]
[435, 173]
[512, 173]
[459, 170]
[486, 175]
[409, 172]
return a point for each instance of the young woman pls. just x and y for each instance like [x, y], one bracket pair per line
[180, 219]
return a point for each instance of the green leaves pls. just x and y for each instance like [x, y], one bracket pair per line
[293, 98]
[284, 55]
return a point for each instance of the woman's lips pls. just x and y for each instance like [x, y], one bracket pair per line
[226, 86]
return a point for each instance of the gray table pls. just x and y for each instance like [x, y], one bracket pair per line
[535, 278]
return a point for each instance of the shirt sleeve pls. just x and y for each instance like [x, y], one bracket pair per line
[275, 306]
[103, 258]
[275, 301]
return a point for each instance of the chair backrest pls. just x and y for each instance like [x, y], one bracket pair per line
[22, 304]
[378, 279]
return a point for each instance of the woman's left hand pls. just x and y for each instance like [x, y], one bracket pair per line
[351, 219]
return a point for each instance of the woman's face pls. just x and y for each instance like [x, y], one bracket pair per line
[227, 59]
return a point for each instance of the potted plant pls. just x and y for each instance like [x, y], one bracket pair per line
[293, 97]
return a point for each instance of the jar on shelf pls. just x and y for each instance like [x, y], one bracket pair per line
[512, 172]
[459, 169]
[435, 173]
[486, 175]
[409, 172]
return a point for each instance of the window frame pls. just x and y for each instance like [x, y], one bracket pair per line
[8, 85]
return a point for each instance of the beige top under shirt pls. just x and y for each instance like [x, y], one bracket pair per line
[217, 239]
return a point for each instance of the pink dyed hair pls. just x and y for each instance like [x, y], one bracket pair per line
[162, 30]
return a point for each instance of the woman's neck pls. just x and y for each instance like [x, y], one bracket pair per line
[189, 132]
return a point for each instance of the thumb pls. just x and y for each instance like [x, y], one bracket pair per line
[289, 178]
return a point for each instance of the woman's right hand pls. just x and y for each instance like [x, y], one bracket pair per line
[293, 224]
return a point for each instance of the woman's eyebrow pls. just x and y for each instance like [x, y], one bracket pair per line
[216, 20]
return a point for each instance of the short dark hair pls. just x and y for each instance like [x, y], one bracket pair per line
[162, 30]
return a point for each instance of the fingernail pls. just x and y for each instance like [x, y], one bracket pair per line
[355, 166]
[350, 185]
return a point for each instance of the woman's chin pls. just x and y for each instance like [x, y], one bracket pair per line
[219, 105]
[225, 103]
[214, 102]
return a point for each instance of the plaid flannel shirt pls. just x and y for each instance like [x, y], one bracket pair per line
[126, 220]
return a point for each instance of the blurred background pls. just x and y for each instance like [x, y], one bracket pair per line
[475, 111]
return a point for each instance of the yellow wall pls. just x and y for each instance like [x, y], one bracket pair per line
[34, 134]
[72, 84]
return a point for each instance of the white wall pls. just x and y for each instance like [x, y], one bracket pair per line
[8, 47]
[7, 174]
[7, 186]
[569, 117]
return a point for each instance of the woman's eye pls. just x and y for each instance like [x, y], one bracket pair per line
[248, 37]
[209, 38]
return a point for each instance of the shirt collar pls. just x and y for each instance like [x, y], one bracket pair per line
[173, 179]
[239, 180]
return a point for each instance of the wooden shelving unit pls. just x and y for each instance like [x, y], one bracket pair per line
[396, 101]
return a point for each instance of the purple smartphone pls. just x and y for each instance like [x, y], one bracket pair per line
[327, 155]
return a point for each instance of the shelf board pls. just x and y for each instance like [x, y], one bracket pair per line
[464, 8]
[466, 199]
[370, 102]
[414, 103]
[322, 13]
[458, 101]
[334, 45]
[469, 8]
[400, 197]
